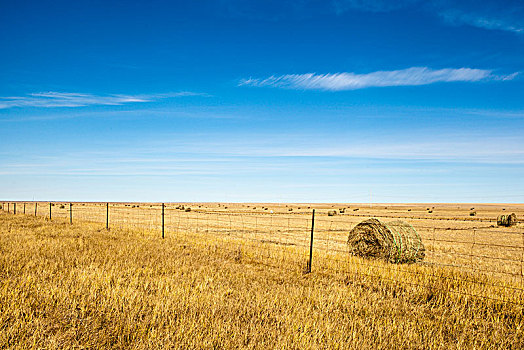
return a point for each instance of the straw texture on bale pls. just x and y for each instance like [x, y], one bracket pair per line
[395, 242]
[507, 220]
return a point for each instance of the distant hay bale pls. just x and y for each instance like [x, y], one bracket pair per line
[332, 213]
[356, 209]
[394, 242]
[473, 213]
[342, 210]
[188, 209]
[507, 220]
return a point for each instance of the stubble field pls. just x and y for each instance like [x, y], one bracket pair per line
[232, 275]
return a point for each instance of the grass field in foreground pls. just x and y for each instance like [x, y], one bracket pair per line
[64, 286]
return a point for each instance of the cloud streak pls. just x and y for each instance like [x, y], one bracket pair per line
[413, 76]
[482, 21]
[72, 99]
[492, 15]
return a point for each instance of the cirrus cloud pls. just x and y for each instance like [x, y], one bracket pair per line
[72, 99]
[492, 15]
[351, 81]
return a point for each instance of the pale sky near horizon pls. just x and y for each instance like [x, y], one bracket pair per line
[262, 101]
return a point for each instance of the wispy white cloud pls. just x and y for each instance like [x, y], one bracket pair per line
[492, 15]
[255, 156]
[72, 99]
[483, 21]
[352, 81]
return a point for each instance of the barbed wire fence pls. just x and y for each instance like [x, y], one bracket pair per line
[472, 258]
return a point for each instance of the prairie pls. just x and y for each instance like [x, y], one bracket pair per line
[230, 278]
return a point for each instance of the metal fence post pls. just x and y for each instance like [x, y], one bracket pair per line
[24, 208]
[8, 207]
[162, 220]
[36, 206]
[107, 216]
[14, 208]
[71, 213]
[50, 205]
[311, 242]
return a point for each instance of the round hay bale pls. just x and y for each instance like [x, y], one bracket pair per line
[507, 220]
[332, 213]
[395, 242]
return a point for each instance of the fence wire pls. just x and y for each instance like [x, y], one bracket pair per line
[466, 256]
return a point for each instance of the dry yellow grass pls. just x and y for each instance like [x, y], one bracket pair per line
[452, 237]
[64, 286]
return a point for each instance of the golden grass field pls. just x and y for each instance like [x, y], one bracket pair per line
[232, 276]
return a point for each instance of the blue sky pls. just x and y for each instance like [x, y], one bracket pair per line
[273, 101]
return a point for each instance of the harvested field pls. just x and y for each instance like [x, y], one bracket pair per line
[471, 266]
[82, 286]
[452, 238]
